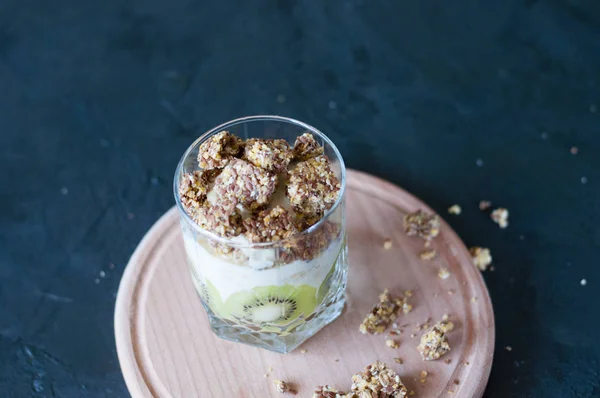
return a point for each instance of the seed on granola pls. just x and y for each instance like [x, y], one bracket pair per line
[328, 392]
[481, 257]
[443, 273]
[306, 147]
[391, 343]
[455, 209]
[484, 205]
[421, 224]
[408, 293]
[269, 225]
[406, 308]
[434, 343]
[312, 186]
[283, 387]
[218, 150]
[428, 254]
[387, 244]
[245, 183]
[500, 217]
[273, 155]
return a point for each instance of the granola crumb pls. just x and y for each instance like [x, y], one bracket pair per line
[508, 348]
[406, 308]
[446, 326]
[484, 205]
[423, 374]
[456, 381]
[434, 343]
[412, 335]
[448, 361]
[398, 360]
[421, 224]
[380, 316]
[306, 147]
[445, 317]
[481, 256]
[337, 360]
[450, 392]
[574, 150]
[583, 282]
[428, 254]
[387, 244]
[455, 209]
[473, 299]
[451, 292]
[412, 392]
[270, 369]
[266, 375]
[500, 217]
[392, 343]
[443, 273]
[303, 351]
[282, 387]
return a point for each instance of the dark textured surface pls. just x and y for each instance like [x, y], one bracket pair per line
[98, 100]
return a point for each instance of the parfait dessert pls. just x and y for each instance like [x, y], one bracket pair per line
[262, 213]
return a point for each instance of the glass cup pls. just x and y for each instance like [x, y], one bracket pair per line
[273, 295]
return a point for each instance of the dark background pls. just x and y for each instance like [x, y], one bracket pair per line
[456, 101]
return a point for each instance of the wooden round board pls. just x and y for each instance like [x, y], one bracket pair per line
[166, 348]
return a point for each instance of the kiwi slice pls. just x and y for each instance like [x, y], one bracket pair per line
[273, 305]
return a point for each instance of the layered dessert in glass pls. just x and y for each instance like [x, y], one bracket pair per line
[261, 203]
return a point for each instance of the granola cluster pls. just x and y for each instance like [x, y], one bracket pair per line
[312, 186]
[383, 313]
[306, 147]
[270, 225]
[234, 193]
[434, 342]
[194, 187]
[375, 381]
[245, 183]
[217, 151]
[271, 155]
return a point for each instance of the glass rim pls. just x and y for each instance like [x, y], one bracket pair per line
[246, 119]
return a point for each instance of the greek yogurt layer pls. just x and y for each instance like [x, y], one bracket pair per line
[228, 277]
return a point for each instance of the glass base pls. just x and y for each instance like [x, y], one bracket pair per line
[276, 342]
[330, 309]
